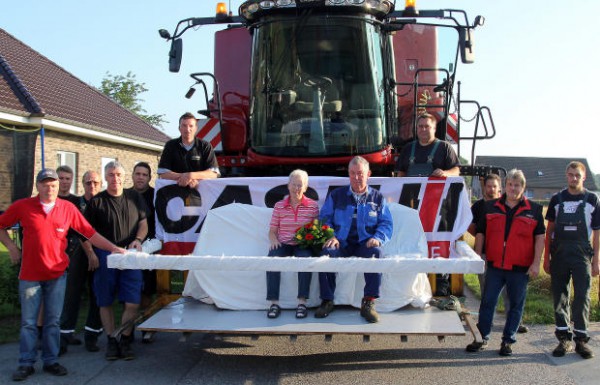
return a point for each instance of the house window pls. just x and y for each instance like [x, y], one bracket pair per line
[65, 158]
[529, 194]
[540, 173]
[105, 161]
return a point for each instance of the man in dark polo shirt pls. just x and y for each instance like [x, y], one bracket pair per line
[188, 159]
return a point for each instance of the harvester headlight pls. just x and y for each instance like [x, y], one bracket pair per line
[284, 3]
[336, 2]
[355, 2]
[252, 7]
[267, 4]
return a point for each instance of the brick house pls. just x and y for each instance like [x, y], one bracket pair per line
[48, 115]
[545, 176]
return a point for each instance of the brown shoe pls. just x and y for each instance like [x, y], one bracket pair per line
[325, 308]
[367, 310]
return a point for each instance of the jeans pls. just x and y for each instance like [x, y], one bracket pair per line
[274, 277]
[32, 294]
[516, 289]
[372, 280]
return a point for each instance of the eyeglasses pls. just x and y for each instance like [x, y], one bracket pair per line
[90, 182]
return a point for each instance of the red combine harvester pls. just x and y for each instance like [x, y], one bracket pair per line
[311, 84]
[316, 82]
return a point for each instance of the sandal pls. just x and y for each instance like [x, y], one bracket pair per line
[274, 311]
[301, 311]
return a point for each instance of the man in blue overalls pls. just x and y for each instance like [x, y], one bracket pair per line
[573, 217]
[363, 223]
[429, 156]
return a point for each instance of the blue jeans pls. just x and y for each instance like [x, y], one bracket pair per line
[32, 294]
[274, 277]
[372, 280]
[516, 290]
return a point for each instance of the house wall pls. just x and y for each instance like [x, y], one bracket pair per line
[6, 160]
[89, 155]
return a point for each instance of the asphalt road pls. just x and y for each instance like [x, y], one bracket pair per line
[204, 359]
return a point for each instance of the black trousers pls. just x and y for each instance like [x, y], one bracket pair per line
[77, 277]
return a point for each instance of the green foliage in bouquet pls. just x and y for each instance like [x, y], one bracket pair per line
[313, 235]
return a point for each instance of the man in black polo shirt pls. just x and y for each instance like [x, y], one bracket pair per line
[188, 159]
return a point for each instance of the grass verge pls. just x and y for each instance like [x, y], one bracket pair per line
[538, 305]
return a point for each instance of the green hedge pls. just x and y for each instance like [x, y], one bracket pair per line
[9, 282]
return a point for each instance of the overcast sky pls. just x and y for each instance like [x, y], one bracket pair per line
[536, 61]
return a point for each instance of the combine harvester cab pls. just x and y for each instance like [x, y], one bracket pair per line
[316, 82]
[312, 83]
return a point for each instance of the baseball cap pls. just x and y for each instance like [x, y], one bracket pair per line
[47, 173]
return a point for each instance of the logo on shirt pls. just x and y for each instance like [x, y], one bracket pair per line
[570, 207]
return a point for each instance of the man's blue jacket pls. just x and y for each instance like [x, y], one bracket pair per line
[373, 220]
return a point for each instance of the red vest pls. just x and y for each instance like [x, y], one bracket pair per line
[518, 248]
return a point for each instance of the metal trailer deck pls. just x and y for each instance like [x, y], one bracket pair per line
[188, 315]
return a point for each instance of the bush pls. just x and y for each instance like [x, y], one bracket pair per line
[9, 281]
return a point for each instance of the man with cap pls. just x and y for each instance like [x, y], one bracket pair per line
[46, 221]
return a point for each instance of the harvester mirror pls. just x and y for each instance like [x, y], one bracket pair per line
[175, 55]
[467, 45]
[164, 34]
[479, 21]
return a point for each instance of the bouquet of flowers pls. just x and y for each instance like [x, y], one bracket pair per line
[313, 235]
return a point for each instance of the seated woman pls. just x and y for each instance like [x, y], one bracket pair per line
[289, 214]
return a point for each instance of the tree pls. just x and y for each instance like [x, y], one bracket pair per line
[125, 90]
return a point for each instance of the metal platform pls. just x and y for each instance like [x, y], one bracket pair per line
[194, 316]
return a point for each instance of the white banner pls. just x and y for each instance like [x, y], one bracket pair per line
[443, 205]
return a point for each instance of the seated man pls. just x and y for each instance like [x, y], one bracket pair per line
[363, 223]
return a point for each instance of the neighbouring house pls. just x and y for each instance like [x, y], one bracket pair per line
[49, 116]
[545, 176]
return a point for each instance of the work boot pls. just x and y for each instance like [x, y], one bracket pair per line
[91, 341]
[367, 310]
[112, 350]
[505, 349]
[564, 346]
[71, 339]
[125, 348]
[582, 348]
[475, 346]
[326, 307]
[55, 369]
[22, 373]
[522, 329]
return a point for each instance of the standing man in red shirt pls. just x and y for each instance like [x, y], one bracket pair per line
[46, 221]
